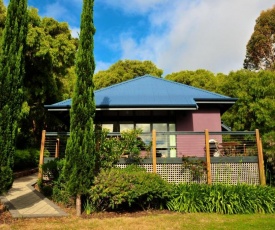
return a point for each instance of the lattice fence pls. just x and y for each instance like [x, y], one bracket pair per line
[229, 173]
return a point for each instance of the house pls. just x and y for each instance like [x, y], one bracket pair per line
[152, 103]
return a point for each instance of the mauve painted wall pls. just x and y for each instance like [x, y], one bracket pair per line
[199, 120]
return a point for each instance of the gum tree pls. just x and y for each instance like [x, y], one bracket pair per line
[12, 70]
[80, 149]
[260, 49]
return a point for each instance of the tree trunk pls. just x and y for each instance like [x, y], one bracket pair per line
[78, 205]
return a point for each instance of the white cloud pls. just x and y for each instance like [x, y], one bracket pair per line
[102, 66]
[56, 10]
[75, 31]
[208, 34]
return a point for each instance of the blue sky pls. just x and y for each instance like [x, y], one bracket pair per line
[174, 34]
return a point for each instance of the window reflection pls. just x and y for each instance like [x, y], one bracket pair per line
[123, 127]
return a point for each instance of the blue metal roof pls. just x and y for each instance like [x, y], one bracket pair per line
[150, 92]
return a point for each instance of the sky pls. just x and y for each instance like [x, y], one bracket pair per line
[176, 35]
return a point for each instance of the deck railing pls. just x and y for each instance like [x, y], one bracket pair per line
[223, 152]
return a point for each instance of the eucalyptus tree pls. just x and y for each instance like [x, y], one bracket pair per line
[12, 71]
[81, 148]
[260, 49]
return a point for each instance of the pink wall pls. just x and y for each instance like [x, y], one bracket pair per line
[199, 120]
[207, 119]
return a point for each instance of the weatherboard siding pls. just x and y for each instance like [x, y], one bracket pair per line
[198, 121]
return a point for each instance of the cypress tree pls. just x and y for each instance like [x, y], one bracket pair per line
[80, 149]
[12, 69]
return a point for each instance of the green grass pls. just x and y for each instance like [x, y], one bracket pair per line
[173, 221]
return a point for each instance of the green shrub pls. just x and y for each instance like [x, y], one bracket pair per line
[25, 159]
[60, 192]
[111, 148]
[55, 188]
[130, 188]
[269, 155]
[221, 198]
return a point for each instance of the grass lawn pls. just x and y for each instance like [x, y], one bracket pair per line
[151, 221]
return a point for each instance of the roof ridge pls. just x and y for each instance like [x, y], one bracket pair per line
[124, 82]
[196, 88]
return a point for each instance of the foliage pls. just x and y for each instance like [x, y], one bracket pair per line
[55, 186]
[255, 107]
[49, 60]
[221, 198]
[269, 154]
[12, 71]
[123, 71]
[81, 155]
[260, 52]
[112, 148]
[133, 188]
[132, 144]
[196, 167]
[3, 15]
[109, 149]
[200, 78]
[25, 159]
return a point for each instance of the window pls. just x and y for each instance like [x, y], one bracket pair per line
[166, 144]
[123, 127]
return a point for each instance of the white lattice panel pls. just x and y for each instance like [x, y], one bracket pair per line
[229, 173]
[234, 173]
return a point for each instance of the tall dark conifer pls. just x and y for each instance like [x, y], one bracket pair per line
[80, 150]
[12, 70]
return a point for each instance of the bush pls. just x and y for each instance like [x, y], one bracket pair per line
[111, 148]
[26, 159]
[269, 155]
[55, 188]
[221, 198]
[129, 189]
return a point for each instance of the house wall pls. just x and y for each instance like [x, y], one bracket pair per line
[198, 121]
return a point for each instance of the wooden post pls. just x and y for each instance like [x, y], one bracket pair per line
[260, 158]
[41, 159]
[208, 162]
[57, 144]
[154, 150]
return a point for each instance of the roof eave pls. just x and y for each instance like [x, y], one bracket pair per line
[67, 108]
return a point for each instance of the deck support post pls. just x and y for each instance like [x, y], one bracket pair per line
[41, 158]
[57, 144]
[154, 150]
[208, 161]
[260, 158]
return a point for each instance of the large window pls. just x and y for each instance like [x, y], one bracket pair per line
[166, 144]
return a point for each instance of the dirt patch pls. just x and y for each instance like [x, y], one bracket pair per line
[134, 214]
[5, 216]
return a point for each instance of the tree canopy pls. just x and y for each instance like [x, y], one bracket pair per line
[260, 49]
[255, 108]
[125, 70]
[50, 59]
[200, 78]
